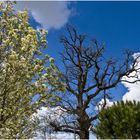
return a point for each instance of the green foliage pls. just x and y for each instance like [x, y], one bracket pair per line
[121, 121]
[24, 72]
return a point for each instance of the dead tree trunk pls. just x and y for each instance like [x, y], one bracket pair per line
[84, 134]
[87, 75]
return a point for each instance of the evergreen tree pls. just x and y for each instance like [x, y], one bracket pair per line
[121, 121]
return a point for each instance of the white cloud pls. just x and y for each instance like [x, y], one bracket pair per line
[133, 89]
[133, 92]
[54, 113]
[50, 14]
[101, 104]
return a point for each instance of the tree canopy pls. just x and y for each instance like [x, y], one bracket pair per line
[27, 76]
[120, 121]
[89, 77]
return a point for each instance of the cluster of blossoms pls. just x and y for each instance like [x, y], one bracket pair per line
[24, 72]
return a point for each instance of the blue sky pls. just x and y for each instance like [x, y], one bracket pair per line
[115, 23]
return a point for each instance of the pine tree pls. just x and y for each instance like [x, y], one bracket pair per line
[121, 121]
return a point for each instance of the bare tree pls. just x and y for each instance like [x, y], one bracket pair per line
[88, 77]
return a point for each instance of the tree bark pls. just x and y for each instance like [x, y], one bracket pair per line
[84, 134]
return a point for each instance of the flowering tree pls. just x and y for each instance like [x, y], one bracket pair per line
[27, 76]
